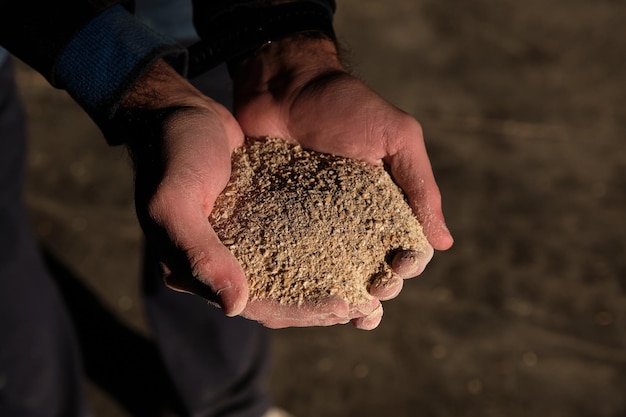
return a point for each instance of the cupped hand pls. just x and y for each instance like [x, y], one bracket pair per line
[297, 89]
[181, 144]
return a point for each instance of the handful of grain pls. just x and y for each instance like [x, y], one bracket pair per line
[306, 225]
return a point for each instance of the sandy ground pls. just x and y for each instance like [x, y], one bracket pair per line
[524, 110]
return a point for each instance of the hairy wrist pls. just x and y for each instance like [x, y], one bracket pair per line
[160, 87]
[159, 94]
[283, 66]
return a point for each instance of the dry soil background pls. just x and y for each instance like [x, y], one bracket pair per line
[524, 109]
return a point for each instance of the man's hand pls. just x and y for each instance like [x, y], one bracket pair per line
[181, 150]
[297, 89]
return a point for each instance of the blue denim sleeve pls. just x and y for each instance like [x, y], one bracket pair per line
[107, 56]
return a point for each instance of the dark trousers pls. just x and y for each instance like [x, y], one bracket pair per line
[219, 365]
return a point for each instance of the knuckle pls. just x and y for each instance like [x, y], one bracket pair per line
[402, 131]
[159, 203]
[199, 261]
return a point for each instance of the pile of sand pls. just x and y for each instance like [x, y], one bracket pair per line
[306, 225]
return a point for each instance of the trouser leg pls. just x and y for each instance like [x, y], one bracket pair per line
[219, 364]
[40, 371]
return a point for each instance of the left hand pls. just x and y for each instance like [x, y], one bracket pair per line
[181, 143]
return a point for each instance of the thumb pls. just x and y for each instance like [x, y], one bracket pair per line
[194, 259]
[412, 171]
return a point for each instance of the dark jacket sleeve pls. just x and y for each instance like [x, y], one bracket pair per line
[97, 49]
[207, 13]
[94, 50]
[231, 29]
[36, 31]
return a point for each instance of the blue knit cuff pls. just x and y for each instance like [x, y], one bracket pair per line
[107, 56]
[3, 54]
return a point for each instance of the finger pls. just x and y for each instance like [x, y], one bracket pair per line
[411, 169]
[275, 315]
[198, 253]
[185, 282]
[409, 263]
[364, 309]
[385, 288]
[369, 322]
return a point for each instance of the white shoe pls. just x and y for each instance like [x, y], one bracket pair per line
[277, 412]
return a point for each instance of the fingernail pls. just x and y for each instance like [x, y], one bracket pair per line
[372, 320]
[404, 260]
[409, 264]
[386, 288]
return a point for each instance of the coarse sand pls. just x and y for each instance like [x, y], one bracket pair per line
[307, 225]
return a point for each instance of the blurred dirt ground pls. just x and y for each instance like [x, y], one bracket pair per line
[523, 106]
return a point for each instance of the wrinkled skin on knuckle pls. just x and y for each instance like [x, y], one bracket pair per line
[369, 322]
[399, 134]
[197, 260]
